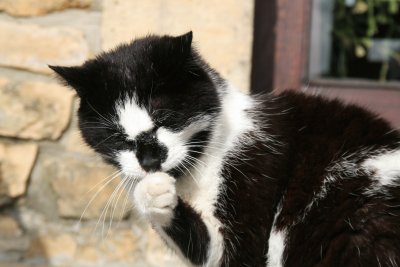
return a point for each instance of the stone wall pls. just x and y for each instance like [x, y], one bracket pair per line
[54, 191]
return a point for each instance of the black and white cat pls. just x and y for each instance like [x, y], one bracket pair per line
[229, 179]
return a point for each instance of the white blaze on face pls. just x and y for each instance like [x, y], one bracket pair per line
[133, 118]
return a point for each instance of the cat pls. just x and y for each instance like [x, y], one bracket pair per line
[230, 179]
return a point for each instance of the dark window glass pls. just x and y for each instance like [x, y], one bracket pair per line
[355, 39]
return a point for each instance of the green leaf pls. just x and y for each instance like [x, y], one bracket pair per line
[393, 6]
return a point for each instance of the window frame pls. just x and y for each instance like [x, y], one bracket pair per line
[287, 67]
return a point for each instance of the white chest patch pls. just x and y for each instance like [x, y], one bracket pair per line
[276, 243]
[133, 118]
[204, 182]
[276, 248]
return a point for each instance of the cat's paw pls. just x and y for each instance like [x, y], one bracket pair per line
[155, 197]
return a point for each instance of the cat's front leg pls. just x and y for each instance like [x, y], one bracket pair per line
[176, 221]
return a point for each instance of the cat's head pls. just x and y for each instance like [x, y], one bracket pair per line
[146, 106]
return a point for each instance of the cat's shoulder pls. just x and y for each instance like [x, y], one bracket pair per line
[322, 103]
[317, 114]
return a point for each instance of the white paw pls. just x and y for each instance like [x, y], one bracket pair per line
[155, 197]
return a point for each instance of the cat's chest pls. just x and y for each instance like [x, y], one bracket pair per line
[200, 190]
[201, 186]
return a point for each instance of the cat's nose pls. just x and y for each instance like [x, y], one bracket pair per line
[149, 162]
[150, 152]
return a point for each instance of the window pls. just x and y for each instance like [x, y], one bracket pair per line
[349, 49]
[355, 39]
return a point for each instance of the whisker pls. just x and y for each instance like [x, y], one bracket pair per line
[98, 113]
[103, 214]
[117, 172]
[110, 136]
[126, 181]
[194, 166]
[131, 185]
[194, 179]
[103, 127]
[95, 195]
[226, 162]
[197, 160]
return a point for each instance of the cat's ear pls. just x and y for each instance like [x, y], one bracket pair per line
[184, 42]
[76, 77]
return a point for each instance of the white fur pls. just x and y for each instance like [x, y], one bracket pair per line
[155, 198]
[345, 167]
[133, 118]
[175, 145]
[276, 243]
[175, 142]
[129, 164]
[203, 185]
[235, 120]
[385, 168]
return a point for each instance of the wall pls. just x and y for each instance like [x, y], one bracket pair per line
[54, 208]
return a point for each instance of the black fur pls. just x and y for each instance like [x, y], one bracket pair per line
[165, 74]
[316, 132]
[271, 180]
[149, 152]
[189, 233]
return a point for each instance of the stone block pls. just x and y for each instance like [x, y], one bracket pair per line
[57, 249]
[33, 47]
[82, 186]
[85, 248]
[34, 110]
[9, 227]
[120, 247]
[16, 162]
[40, 7]
[157, 251]
[222, 30]
[73, 140]
[12, 243]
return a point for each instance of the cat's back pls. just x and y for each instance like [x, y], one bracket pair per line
[341, 205]
[318, 116]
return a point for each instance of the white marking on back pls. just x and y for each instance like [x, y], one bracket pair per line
[385, 168]
[345, 167]
[133, 118]
[382, 166]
